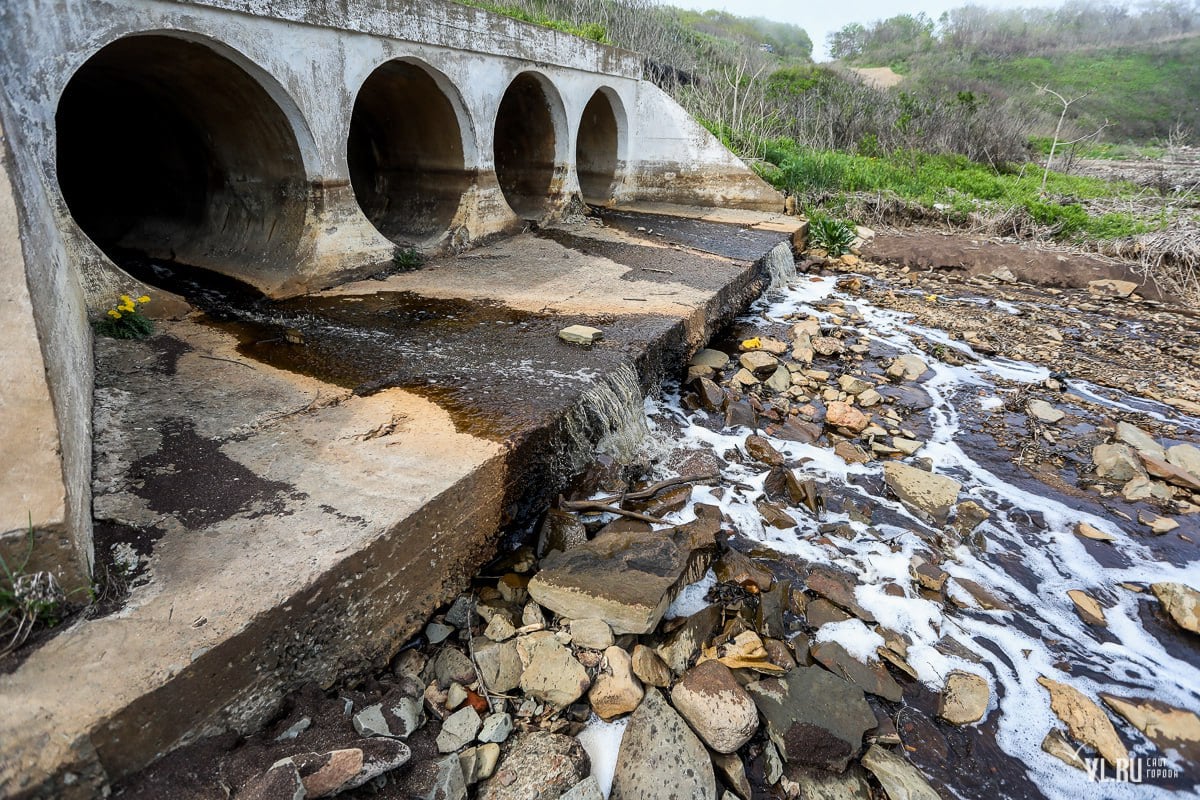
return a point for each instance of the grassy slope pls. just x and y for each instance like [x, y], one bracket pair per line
[1142, 91]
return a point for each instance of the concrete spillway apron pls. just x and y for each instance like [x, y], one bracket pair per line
[291, 528]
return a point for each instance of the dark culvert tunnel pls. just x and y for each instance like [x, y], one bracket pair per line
[525, 146]
[168, 149]
[405, 154]
[596, 150]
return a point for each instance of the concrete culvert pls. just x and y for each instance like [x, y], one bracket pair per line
[406, 154]
[525, 146]
[597, 150]
[168, 149]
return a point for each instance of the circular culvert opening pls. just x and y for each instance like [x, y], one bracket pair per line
[597, 150]
[405, 153]
[170, 150]
[525, 146]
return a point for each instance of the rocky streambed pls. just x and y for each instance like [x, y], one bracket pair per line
[896, 535]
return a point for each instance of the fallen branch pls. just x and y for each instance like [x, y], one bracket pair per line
[595, 505]
[653, 489]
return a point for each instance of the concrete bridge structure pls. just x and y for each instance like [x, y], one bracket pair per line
[295, 145]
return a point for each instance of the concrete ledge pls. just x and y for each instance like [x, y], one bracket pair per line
[291, 529]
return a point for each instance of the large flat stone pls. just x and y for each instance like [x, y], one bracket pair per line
[815, 718]
[626, 579]
[659, 752]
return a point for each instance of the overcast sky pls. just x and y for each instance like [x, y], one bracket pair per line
[819, 19]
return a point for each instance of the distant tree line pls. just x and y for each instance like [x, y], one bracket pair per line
[1019, 31]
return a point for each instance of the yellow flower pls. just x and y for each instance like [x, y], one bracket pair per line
[144, 298]
[128, 308]
[126, 298]
[112, 312]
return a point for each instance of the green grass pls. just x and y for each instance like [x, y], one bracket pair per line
[1140, 91]
[957, 186]
[1099, 150]
[592, 30]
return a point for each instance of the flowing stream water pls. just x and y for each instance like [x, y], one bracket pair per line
[1032, 558]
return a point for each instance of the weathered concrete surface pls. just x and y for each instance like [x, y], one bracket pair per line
[292, 530]
[35, 468]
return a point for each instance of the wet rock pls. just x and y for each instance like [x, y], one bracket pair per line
[873, 678]
[539, 764]
[586, 789]
[581, 334]
[815, 718]
[761, 450]
[1091, 532]
[712, 396]
[683, 643]
[442, 779]
[795, 430]
[714, 359]
[969, 515]
[847, 417]
[774, 516]
[907, 368]
[1084, 719]
[1117, 462]
[1055, 743]
[1186, 457]
[458, 730]
[926, 494]
[744, 378]
[1087, 608]
[593, 634]
[398, 715]
[820, 612]
[838, 587]
[451, 665]
[1139, 440]
[649, 668]
[626, 579]
[965, 699]
[1044, 412]
[851, 453]
[758, 362]
[560, 530]
[929, 576]
[1168, 727]
[906, 446]
[500, 664]
[616, 690]
[870, 398]
[899, 779]
[851, 384]
[1169, 472]
[1110, 287]
[553, 675]
[827, 345]
[817, 784]
[737, 567]
[1181, 602]
[716, 706]
[659, 750]
[1157, 524]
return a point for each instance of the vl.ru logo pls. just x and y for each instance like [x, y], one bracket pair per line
[1129, 770]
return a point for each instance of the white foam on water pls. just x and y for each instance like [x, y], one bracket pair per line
[854, 636]
[691, 597]
[602, 742]
[1033, 558]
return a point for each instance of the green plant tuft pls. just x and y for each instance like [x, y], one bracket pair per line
[407, 259]
[831, 235]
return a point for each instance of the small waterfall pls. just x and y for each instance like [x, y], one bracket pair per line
[611, 414]
[781, 266]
